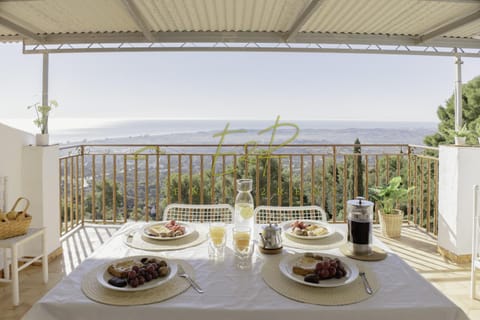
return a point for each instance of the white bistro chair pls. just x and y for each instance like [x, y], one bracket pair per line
[272, 214]
[475, 244]
[199, 212]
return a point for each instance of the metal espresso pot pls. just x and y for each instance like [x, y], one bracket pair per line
[271, 236]
[360, 220]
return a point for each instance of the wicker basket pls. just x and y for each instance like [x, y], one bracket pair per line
[15, 222]
[391, 223]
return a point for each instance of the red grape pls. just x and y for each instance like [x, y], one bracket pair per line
[324, 274]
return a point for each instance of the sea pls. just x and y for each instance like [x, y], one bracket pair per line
[72, 131]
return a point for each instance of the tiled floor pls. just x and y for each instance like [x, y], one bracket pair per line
[415, 247]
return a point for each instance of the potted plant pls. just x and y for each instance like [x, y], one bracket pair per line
[42, 113]
[388, 198]
[461, 135]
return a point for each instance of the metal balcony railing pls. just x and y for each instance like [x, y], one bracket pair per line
[114, 183]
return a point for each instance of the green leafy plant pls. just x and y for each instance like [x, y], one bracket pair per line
[42, 113]
[391, 194]
[477, 129]
[463, 132]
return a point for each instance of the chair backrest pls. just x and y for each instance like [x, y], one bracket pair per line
[199, 212]
[269, 214]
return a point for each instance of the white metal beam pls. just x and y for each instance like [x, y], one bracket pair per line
[20, 30]
[458, 94]
[256, 37]
[455, 24]
[139, 20]
[45, 83]
[252, 47]
[302, 19]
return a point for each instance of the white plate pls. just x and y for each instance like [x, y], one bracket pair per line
[287, 263]
[189, 229]
[103, 275]
[287, 229]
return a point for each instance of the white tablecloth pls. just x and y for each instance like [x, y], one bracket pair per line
[233, 294]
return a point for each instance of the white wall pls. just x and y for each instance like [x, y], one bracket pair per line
[12, 142]
[31, 172]
[458, 172]
[40, 186]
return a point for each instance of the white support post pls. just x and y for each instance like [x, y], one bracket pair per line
[45, 82]
[458, 172]
[458, 93]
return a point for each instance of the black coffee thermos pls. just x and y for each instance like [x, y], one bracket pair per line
[360, 220]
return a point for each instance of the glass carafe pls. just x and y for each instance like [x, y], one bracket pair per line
[244, 215]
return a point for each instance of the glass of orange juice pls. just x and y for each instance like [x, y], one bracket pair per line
[243, 247]
[217, 235]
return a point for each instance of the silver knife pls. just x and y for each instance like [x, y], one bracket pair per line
[368, 289]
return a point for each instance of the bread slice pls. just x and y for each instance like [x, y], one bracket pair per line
[121, 269]
[159, 230]
[304, 266]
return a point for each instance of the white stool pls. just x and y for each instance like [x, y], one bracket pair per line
[13, 244]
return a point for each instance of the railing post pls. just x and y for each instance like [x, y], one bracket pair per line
[409, 208]
[82, 190]
[334, 184]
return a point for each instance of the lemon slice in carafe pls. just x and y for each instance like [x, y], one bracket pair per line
[246, 212]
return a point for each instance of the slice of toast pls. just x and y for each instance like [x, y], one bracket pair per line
[121, 269]
[304, 266]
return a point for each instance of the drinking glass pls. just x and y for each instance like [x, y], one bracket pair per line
[216, 240]
[243, 247]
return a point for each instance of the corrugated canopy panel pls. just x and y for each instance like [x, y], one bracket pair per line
[432, 23]
[215, 15]
[401, 17]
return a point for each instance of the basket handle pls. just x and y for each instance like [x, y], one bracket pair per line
[27, 204]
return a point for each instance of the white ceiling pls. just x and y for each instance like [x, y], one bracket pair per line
[43, 24]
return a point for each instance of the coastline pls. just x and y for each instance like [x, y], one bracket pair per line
[306, 136]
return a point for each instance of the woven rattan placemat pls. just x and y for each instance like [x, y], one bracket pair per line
[376, 255]
[334, 241]
[138, 241]
[347, 294]
[96, 292]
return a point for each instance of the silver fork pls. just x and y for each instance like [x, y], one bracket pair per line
[368, 289]
[183, 274]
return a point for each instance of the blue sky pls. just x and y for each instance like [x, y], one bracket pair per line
[231, 85]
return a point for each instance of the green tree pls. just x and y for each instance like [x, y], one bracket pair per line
[446, 115]
[109, 190]
[358, 174]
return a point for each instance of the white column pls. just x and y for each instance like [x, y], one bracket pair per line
[458, 173]
[45, 81]
[40, 179]
[458, 93]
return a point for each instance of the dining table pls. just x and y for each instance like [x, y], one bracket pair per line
[239, 294]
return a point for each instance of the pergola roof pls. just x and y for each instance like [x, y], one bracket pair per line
[431, 27]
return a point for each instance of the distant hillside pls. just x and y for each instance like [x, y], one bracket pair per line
[320, 136]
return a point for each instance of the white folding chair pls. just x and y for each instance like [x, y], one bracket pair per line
[272, 214]
[199, 212]
[475, 244]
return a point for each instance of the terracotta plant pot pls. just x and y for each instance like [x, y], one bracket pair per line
[391, 224]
